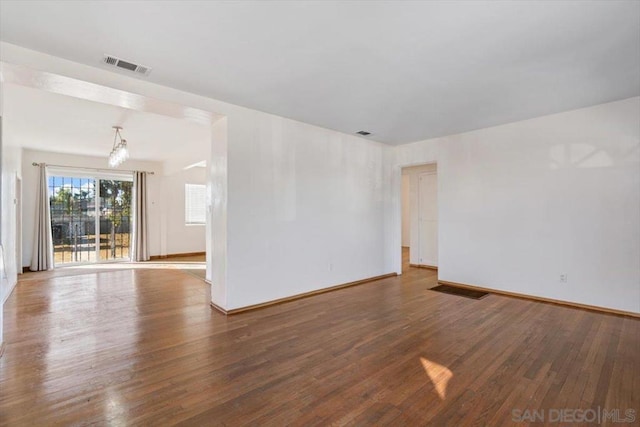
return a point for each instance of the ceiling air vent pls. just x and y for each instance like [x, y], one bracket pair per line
[130, 66]
[363, 133]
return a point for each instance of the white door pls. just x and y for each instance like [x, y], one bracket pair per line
[428, 218]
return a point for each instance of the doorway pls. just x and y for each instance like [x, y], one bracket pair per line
[90, 218]
[18, 216]
[419, 215]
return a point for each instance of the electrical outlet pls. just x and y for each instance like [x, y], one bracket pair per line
[563, 278]
[330, 266]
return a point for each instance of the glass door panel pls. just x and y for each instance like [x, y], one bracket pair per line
[73, 220]
[115, 218]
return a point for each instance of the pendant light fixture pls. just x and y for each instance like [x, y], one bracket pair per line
[119, 152]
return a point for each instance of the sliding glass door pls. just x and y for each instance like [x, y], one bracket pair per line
[90, 218]
[115, 219]
[72, 201]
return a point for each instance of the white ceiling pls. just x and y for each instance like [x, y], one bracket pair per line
[48, 121]
[404, 71]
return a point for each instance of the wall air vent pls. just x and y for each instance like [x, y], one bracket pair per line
[363, 133]
[130, 66]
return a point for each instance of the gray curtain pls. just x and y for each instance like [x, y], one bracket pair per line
[140, 247]
[42, 256]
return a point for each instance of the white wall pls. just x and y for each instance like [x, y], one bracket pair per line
[11, 169]
[30, 179]
[304, 209]
[523, 203]
[216, 241]
[4, 283]
[406, 210]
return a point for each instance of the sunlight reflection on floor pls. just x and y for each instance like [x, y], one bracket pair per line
[439, 375]
[195, 268]
[139, 265]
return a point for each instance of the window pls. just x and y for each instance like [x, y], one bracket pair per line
[194, 203]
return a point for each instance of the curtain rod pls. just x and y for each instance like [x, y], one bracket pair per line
[92, 169]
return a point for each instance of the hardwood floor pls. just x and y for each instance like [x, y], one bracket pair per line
[192, 264]
[142, 347]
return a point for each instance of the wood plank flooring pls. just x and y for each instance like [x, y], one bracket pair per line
[142, 347]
